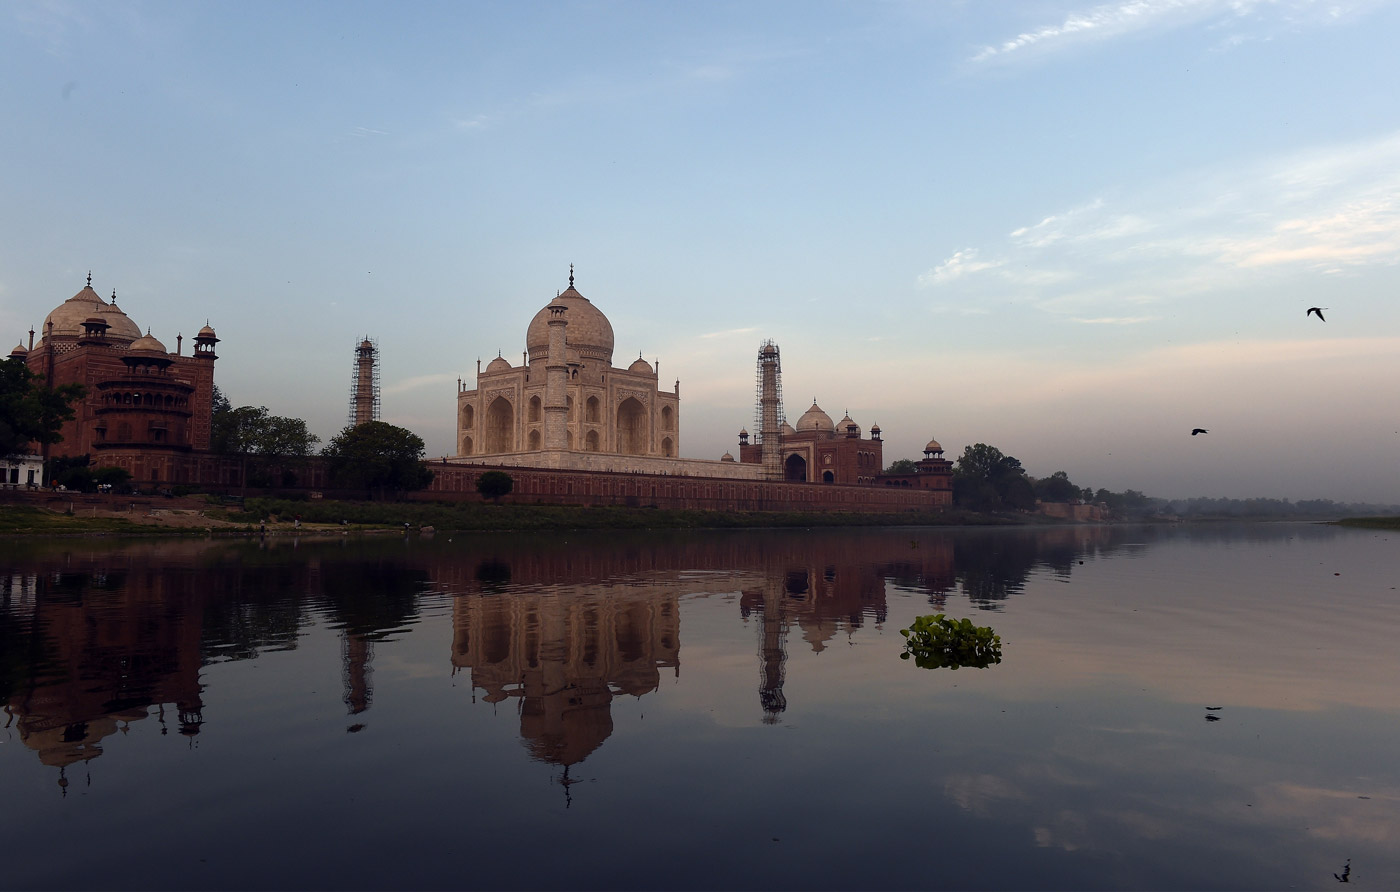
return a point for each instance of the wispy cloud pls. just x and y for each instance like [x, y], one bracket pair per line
[1331, 210]
[1119, 320]
[962, 263]
[728, 332]
[1114, 20]
[419, 381]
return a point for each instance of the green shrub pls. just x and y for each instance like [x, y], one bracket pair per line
[936, 642]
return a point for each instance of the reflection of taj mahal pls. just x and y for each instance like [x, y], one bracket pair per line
[567, 395]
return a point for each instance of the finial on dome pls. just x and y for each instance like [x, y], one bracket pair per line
[114, 297]
[571, 275]
[89, 278]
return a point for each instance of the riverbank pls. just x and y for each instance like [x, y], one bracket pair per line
[279, 515]
[1371, 523]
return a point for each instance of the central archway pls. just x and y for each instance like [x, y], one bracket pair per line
[632, 427]
[500, 426]
[795, 468]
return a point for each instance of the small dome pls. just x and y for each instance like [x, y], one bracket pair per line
[726, 457]
[743, 432]
[785, 429]
[589, 332]
[874, 428]
[147, 344]
[20, 350]
[205, 332]
[846, 424]
[499, 364]
[814, 419]
[934, 447]
[641, 366]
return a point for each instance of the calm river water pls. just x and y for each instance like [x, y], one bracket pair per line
[1196, 707]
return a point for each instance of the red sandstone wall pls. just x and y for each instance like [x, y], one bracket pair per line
[690, 493]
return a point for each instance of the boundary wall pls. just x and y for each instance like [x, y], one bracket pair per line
[597, 488]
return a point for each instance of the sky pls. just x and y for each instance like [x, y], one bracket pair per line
[1073, 231]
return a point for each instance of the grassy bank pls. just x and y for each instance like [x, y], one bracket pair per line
[21, 520]
[476, 516]
[1371, 523]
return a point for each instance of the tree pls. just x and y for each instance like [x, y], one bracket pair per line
[901, 466]
[30, 411]
[377, 455]
[984, 479]
[1056, 488]
[494, 485]
[252, 430]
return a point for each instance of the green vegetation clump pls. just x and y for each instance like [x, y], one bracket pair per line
[936, 642]
[1371, 523]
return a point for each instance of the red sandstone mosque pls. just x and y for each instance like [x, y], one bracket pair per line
[146, 409]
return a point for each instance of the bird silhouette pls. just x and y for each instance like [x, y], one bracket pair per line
[1318, 311]
[1198, 430]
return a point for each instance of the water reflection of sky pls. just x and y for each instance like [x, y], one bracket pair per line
[704, 710]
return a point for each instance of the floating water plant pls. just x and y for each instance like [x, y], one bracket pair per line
[936, 642]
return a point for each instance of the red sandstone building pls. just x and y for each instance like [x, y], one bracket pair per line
[146, 409]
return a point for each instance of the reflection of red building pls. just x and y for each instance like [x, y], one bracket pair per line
[112, 650]
[565, 658]
[146, 409]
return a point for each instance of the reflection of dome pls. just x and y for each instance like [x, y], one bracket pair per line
[814, 419]
[933, 447]
[499, 364]
[641, 366]
[589, 334]
[147, 344]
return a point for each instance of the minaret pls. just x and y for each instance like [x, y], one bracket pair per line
[556, 374]
[364, 389]
[769, 410]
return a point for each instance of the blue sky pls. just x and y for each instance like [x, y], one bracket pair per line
[1074, 231]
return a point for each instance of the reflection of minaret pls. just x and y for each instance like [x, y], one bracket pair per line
[356, 668]
[364, 385]
[772, 632]
[768, 410]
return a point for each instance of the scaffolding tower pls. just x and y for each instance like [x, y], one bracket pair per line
[364, 383]
[768, 410]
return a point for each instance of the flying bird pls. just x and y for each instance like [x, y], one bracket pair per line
[1318, 311]
[1198, 430]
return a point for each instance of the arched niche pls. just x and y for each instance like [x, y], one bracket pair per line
[500, 426]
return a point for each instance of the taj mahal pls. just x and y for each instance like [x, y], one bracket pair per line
[566, 407]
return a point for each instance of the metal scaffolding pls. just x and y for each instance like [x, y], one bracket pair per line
[768, 409]
[364, 383]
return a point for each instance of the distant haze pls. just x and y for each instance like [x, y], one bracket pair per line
[1072, 231]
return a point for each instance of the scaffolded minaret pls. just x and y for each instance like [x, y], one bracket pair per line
[364, 384]
[768, 410]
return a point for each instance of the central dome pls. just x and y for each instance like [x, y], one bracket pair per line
[589, 335]
[69, 316]
[814, 419]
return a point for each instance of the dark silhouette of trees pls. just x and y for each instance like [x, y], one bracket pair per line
[495, 485]
[377, 456]
[985, 479]
[30, 411]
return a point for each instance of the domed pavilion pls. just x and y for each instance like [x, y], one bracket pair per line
[566, 396]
